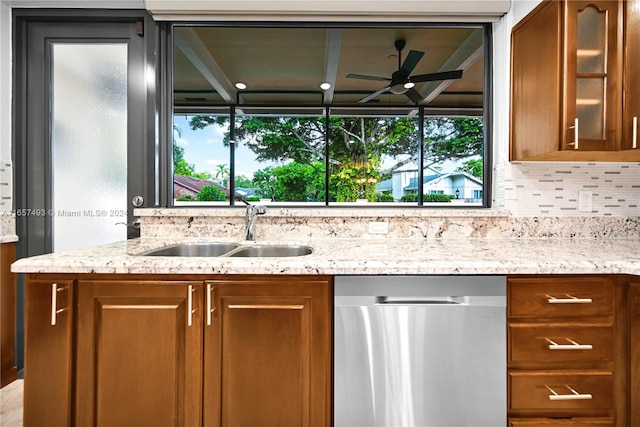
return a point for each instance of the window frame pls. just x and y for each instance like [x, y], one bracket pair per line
[167, 110]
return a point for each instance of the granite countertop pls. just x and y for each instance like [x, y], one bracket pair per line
[346, 256]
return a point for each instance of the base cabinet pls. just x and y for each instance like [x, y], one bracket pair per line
[179, 351]
[49, 358]
[576, 422]
[139, 353]
[7, 314]
[634, 357]
[566, 362]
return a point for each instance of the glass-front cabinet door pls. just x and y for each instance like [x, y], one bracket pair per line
[593, 82]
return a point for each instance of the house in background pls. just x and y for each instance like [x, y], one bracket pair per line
[459, 184]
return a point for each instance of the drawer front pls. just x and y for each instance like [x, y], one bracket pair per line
[558, 342]
[574, 422]
[562, 390]
[560, 297]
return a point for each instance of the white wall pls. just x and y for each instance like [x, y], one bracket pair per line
[5, 82]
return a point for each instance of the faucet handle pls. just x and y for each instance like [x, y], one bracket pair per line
[261, 209]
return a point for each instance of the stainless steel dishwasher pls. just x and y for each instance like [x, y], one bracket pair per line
[426, 351]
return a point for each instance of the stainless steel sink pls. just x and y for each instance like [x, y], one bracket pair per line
[218, 249]
[207, 249]
[271, 251]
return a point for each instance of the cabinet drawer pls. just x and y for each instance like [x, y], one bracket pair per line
[573, 422]
[560, 390]
[561, 297]
[560, 342]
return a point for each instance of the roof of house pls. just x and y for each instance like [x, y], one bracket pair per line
[194, 184]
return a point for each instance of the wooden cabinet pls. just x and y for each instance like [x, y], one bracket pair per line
[570, 91]
[563, 351]
[8, 313]
[576, 422]
[179, 351]
[139, 353]
[49, 314]
[631, 94]
[268, 352]
[634, 356]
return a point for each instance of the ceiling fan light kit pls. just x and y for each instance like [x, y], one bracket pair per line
[401, 81]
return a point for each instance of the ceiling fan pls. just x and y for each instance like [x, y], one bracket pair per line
[401, 81]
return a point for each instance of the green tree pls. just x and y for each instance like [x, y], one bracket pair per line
[473, 167]
[294, 182]
[357, 144]
[211, 193]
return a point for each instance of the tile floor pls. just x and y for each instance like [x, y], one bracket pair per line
[11, 404]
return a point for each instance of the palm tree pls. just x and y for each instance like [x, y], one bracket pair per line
[222, 173]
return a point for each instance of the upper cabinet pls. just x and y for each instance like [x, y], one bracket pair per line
[573, 96]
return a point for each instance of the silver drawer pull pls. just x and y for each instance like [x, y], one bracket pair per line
[573, 396]
[54, 303]
[569, 300]
[575, 133]
[210, 307]
[573, 346]
[190, 309]
[635, 133]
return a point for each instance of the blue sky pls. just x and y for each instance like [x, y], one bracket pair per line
[204, 149]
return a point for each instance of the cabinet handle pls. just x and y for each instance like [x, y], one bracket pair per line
[190, 309]
[210, 307]
[575, 134]
[54, 303]
[573, 396]
[569, 300]
[573, 346]
[635, 133]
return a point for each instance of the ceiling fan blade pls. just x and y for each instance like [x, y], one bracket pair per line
[411, 61]
[445, 75]
[414, 96]
[360, 76]
[374, 94]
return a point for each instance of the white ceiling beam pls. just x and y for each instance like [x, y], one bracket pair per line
[464, 57]
[331, 62]
[188, 41]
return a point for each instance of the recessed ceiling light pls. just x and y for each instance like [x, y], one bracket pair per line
[241, 85]
[325, 86]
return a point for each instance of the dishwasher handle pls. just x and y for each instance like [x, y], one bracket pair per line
[418, 300]
[491, 301]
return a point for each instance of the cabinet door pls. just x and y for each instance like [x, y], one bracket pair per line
[634, 357]
[593, 75]
[139, 357]
[631, 73]
[536, 83]
[48, 355]
[268, 353]
[7, 313]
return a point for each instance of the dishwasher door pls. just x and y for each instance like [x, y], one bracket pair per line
[426, 351]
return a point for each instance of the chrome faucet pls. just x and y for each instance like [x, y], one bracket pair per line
[252, 213]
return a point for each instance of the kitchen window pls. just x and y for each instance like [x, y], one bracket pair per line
[330, 115]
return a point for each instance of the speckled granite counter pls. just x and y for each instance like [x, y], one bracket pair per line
[7, 228]
[363, 256]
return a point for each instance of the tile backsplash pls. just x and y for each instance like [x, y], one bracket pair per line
[6, 186]
[553, 189]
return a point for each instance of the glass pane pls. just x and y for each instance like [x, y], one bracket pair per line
[592, 26]
[280, 156]
[590, 96]
[453, 160]
[89, 144]
[372, 156]
[201, 159]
